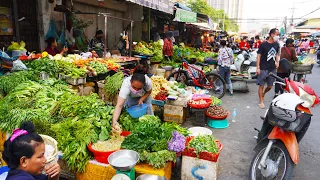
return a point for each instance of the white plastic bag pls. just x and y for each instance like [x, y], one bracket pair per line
[18, 65]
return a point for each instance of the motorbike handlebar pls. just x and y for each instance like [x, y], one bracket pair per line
[277, 78]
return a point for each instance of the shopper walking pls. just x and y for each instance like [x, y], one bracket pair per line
[287, 57]
[267, 61]
[225, 59]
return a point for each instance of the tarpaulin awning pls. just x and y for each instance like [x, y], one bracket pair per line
[316, 34]
[182, 6]
[160, 5]
[182, 15]
[203, 26]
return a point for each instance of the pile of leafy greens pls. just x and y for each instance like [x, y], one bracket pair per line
[56, 110]
[150, 138]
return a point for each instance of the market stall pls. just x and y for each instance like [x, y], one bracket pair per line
[81, 124]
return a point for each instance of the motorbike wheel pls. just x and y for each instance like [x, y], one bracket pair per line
[218, 83]
[277, 150]
[179, 76]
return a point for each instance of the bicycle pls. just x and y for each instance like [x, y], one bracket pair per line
[193, 76]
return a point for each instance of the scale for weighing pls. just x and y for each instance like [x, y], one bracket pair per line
[124, 161]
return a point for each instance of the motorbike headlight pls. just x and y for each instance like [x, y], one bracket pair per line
[306, 98]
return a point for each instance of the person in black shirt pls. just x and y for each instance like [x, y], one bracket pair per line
[267, 61]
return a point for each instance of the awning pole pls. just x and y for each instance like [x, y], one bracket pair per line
[149, 25]
[130, 43]
[105, 35]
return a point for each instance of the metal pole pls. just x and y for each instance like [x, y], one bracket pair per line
[130, 42]
[149, 24]
[105, 36]
[16, 22]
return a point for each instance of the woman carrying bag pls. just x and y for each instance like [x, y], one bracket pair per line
[287, 57]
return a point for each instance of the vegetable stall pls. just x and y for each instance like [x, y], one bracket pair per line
[49, 91]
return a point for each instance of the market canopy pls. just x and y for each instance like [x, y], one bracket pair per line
[316, 34]
[203, 26]
[160, 5]
[182, 15]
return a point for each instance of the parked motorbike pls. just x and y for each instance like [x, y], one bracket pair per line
[284, 125]
[318, 55]
[245, 61]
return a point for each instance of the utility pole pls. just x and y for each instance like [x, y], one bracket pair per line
[285, 25]
[292, 12]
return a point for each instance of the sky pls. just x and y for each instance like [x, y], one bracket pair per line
[275, 9]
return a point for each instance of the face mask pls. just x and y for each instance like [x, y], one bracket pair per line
[135, 91]
[276, 38]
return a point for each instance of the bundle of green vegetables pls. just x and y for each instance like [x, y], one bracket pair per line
[69, 69]
[113, 84]
[56, 110]
[9, 82]
[98, 67]
[44, 65]
[150, 138]
[203, 143]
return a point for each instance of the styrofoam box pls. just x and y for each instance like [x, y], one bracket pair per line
[194, 168]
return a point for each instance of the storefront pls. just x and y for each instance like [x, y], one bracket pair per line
[19, 23]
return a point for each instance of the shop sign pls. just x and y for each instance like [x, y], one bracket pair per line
[185, 16]
[160, 5]
[6, 23]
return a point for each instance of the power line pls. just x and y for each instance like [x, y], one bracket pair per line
[310, 12]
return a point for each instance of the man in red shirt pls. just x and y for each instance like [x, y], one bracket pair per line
[311, 43]
[257, 43]
[244, 45]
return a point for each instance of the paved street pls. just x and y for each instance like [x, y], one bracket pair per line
[238, 139]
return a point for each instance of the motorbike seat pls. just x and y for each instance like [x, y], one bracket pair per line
[254, 63]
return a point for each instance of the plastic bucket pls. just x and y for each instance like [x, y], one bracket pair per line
[161, 72]
[137, 110]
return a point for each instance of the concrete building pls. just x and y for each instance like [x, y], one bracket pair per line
[233, 8]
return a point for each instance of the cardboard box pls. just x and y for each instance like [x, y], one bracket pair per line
[176, 114]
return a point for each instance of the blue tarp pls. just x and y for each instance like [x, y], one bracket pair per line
[181, 6]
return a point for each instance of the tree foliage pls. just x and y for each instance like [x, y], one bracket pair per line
[201, 6]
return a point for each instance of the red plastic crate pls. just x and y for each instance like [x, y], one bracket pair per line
[203, 155]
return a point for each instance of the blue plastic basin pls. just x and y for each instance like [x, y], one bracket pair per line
[137, 110]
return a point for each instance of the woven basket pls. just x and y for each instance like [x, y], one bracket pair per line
[50, 141]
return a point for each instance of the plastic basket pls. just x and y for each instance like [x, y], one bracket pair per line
[217, 117]
[101, 156]
[50, 141]
[302, 67]
[137, 110]
[203, 155]
[218, 124]
[201, 106]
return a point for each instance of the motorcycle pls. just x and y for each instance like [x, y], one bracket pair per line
[245, 61]
[318, 55]
[284, 125]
